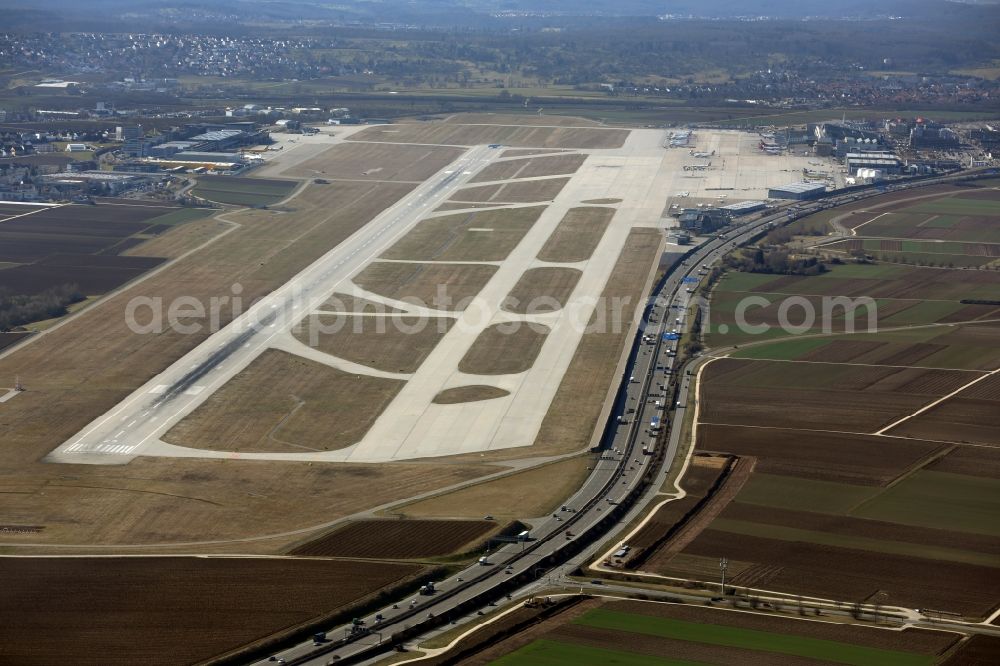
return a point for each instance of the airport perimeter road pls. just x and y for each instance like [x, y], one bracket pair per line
[137, 423]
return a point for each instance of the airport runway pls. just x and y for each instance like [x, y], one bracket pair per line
[136, 424]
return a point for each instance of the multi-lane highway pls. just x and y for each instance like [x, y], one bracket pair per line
[618, 472]
[137, 423]
[650, 378]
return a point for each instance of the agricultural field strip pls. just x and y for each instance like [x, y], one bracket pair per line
[753, 639]
[697, 422]
[854, 230]
[909, 327]
[864, 365]
[936, 402]
[165, 399]
[839, 432]
[32, 212]
[983, 376]
[801, 293]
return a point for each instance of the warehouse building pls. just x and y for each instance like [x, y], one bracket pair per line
[171, 148]
[800, 191]
[226, 160]
[885, 162]
[744, 207]
[219, 140]
[703, 220]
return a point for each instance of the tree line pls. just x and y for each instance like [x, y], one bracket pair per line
[19, 309]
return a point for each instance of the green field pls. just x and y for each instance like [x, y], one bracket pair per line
[939, 500]
[881, 271]
[905, 548]
[924, 312]
[957, 206]
[750, 639]
[557, 653]
[889, 285]
[956, 353]
[797, 494]
[784, 350]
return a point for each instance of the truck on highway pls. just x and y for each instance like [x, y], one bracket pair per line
[654, 423]
[485, 561]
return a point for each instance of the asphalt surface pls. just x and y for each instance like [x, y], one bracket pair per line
[135, 425]
[617, 472]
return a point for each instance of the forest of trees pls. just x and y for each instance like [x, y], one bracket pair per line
[19, 309]
[777, 260]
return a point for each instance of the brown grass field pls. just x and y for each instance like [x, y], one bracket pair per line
[399, 539]
[540, 290]
[85, 367]
[523, 191]
[576, 407]
[376, 161]
[577, 235]
[169, 610]
[478, 193]
[533, 492]
[525, 119]
[285, 403]
[180, 239]
[473, 393]
[504, 349]
[510, 135]
[226, 504]
[532, 167]
[489, 235]
[393, 344]
[439, 286]
[449, 206]
[347, 303]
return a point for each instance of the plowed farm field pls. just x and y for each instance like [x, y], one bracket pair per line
[169, 610]
[863, 482]
[398, 539]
